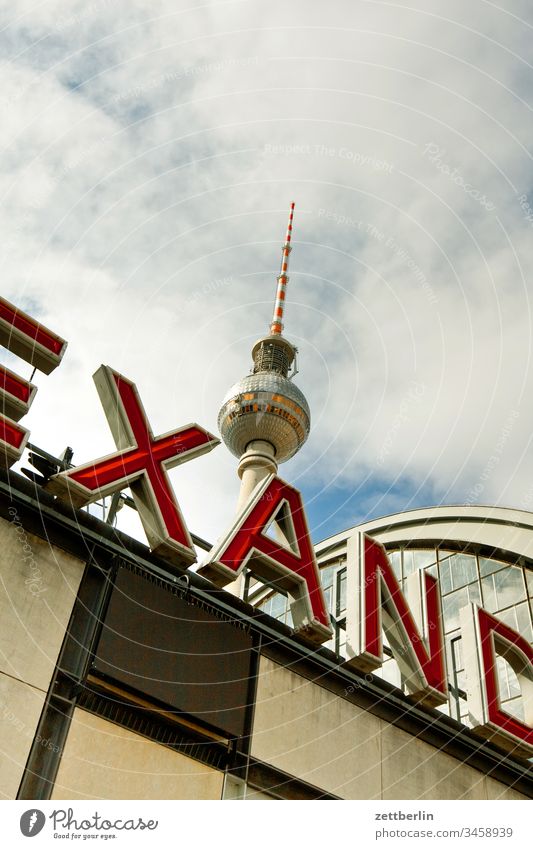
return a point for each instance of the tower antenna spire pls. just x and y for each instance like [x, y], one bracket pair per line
[265, 419]
[276, 327]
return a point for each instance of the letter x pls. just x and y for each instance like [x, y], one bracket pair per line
[141, 464]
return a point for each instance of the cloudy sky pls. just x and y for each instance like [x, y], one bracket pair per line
[149, 153]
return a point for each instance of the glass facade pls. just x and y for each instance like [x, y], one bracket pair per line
[504, 589]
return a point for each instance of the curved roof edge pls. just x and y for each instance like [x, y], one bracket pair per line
[504, 528]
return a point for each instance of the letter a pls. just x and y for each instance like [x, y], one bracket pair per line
[288, 561]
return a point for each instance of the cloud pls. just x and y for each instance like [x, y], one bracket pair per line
[149, 154]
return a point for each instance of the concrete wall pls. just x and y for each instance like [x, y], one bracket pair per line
[313, 734]
[300, 728]
[105, 761]
[38, 586]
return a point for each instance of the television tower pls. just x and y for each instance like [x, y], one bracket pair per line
[265, 419]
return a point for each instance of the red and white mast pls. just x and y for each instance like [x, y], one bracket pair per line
[276, 327]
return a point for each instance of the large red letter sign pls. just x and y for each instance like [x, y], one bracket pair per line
[140, 464]
[37, 345]
[484, 637]
[375, 600]
[290, 563]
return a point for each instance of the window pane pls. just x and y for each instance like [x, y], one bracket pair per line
[515, 708]
[517, 618]
[445, 576]
[474, 593]
[514, 686]
[452, 604]
[523, 616]
[326, 576]
[457, 570]
[503, 588]
[408, 563]
[464, 570]
[486, 565]
[395, 558]
[507, 680]
[490, 601]
[278, 605]
[265, 606]
[424, 557]
[509, 617]
[503, 683]
[509, 585]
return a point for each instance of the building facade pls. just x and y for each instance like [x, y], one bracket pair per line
[122, 678]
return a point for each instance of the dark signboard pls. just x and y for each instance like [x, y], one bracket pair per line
[175, 654]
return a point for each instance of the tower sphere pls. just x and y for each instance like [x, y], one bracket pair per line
[267, 406]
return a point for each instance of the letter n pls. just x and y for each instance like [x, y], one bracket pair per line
[375, 601]
[286, 560]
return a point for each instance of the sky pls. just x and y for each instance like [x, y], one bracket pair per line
[149, 154]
